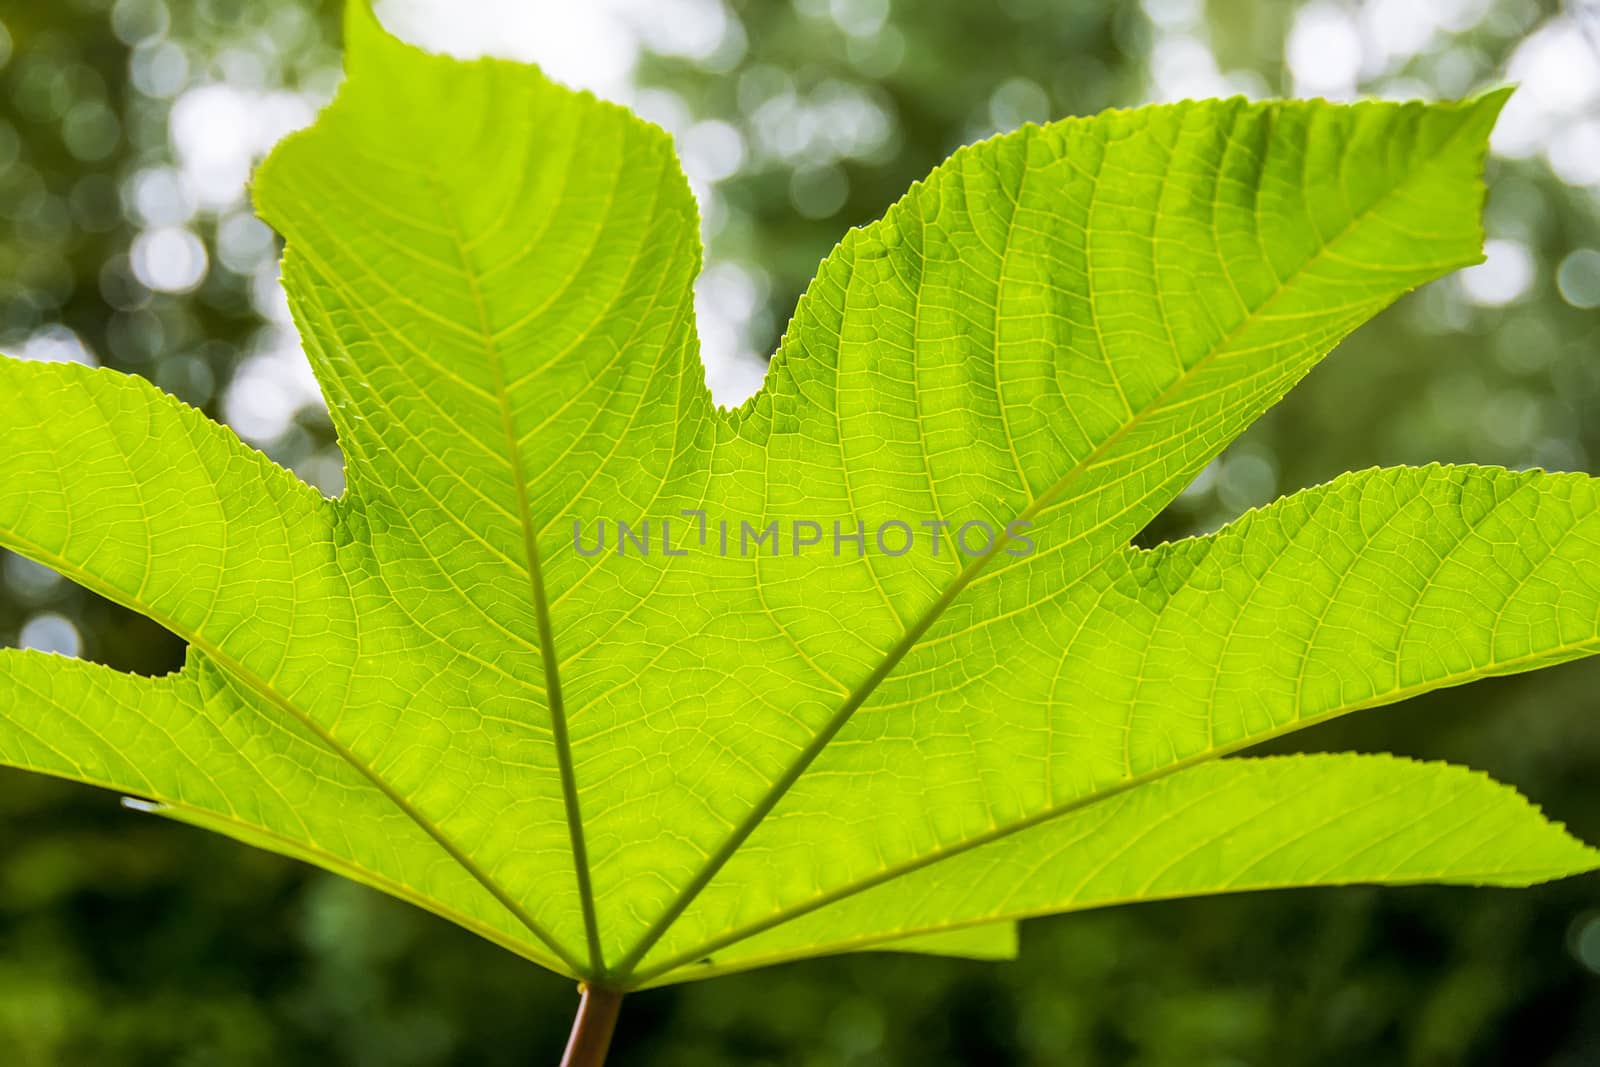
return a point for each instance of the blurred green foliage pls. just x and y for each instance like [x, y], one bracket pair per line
[126, 940]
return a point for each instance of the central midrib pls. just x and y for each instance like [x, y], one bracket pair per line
[913, 634]
[541, 603]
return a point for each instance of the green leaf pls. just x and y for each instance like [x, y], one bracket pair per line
[1224, 826]
[1362, 592]
[620, 764]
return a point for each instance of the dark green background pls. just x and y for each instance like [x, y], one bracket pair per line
[128, 940]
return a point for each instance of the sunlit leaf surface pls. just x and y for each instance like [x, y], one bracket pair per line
[872, 664]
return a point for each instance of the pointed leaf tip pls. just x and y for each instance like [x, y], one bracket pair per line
[493, 276]
[372, 50]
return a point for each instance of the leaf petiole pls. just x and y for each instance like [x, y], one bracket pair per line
[593, 1027]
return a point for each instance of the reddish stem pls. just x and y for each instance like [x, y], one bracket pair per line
[592, 1029]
